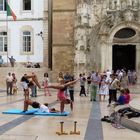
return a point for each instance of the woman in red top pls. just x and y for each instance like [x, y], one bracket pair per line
[61, 95]
[127, 96]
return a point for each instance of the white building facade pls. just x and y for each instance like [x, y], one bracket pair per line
[23, 38]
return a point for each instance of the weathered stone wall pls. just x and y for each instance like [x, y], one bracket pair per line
[63, 35]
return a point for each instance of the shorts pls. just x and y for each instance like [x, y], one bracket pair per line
[24, 85]
[35, 105]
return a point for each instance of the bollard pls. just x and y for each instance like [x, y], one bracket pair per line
[75, 132]
[61, 131]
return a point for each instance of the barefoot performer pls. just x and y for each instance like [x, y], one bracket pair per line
[61, 95]
[41, 107]
[27, 83]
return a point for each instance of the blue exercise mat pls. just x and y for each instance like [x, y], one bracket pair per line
[34, 112]
[52, 114]
[20, 112]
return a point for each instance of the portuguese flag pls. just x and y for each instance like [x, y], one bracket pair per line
[10, 12]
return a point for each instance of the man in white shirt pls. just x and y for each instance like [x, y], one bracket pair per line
[9, 83]
[108, 73]
[43, 108]
[114, 85]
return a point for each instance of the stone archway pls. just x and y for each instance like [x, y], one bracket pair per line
[134, 41]
[106, 60]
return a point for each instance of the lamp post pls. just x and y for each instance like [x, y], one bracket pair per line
[50, 33]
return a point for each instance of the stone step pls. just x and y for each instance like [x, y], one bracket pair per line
[135, 104]
[19, 71]
[133, 123]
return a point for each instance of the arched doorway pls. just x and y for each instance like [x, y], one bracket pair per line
[124, 56]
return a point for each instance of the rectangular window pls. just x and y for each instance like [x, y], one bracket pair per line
[3, 42]
[26, 4]
[2, 5]
[26, 41]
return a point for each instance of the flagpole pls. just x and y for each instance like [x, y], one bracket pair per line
[50, 33]
[9, 12]
[7, 30]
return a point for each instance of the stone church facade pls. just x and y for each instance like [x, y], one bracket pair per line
[95, 35]
[110, 34]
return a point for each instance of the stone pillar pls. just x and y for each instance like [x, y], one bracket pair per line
[118, 4]
[109, 56]
[138, 57]
[107, 4]
[45, 35]
[103, 58]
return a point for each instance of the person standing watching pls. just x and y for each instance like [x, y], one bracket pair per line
[12, 61]
[14, 87]
[114, 85]
[95, 80]
[82, 85]
[88, 82]
[9, 83]
[71, 89]
[1, 60]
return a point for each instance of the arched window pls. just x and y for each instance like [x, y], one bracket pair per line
[27, 41]
[3, 41]
[125, 33]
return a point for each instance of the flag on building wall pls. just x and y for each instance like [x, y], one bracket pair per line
[10, 12]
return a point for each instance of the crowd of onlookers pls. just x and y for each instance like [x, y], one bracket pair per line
[94, 84]
[108, 83]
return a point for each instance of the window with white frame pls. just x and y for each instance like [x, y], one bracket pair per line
[26, 5]
[2, 5]
[3, 41]
[26, 41]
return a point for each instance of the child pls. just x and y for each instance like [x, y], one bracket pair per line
[45, 84]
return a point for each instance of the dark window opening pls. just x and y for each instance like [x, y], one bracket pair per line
[124, 56]
[26, 4]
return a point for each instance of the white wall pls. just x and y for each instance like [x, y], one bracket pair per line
[33, 19]
[16, 6]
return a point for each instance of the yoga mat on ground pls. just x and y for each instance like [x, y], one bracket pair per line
[34, 112]
[20, 112]
[52, 114]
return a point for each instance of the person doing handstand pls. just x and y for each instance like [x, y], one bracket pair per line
[26, 83]
[43, 108]
[61, 95]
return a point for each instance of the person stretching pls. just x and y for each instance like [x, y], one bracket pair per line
[61, 94]
[41, 107]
